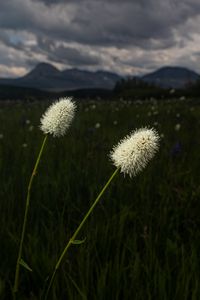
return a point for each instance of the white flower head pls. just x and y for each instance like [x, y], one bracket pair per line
[177, 127]
[58, 117]
[133, 153]
[97, 125]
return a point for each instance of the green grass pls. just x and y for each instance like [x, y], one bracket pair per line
[143, 239]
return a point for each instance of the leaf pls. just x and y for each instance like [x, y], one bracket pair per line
[78, 242]
[25, 265]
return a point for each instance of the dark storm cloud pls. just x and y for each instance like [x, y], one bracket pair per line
[74, 32]
[15, 16]
[100, 22]
[66, 55]
[73, 57]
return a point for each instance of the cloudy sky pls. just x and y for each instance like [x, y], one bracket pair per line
[130, 37]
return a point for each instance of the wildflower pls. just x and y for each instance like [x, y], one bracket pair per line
[177, 127]
[172, 91]
[115, 122]
[31, 128]
[182, 98]
[58, 117]
[149, 114]
[24, 145]
[162, 135]
[97, 125]
[134, 152]
[1, 135]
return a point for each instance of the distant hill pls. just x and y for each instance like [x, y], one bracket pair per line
[48, 78]
[171, 77]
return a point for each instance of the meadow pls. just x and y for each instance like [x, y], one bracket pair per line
[143, 239]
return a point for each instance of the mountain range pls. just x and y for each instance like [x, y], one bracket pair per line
[46, 77]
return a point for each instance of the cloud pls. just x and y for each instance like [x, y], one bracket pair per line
[67, 54]
[99, 22]
[96, 34]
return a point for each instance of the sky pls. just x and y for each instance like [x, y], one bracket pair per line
[128, 37]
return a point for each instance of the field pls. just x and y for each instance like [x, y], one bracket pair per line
[142, 242]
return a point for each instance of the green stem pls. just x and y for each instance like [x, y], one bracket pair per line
[77, 231]
[16, 281]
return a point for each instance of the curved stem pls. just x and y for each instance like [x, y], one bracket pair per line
[16, 281]
[77, 231]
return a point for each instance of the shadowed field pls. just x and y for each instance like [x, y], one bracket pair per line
[143, 239]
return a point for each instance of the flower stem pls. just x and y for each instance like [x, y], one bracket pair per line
[76, 233]
[16, 281]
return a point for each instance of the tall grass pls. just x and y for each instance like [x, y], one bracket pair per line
[142, 241]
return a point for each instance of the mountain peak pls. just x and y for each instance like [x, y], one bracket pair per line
[169, 76]
[42, 70]
[174, 70]
[45, 66]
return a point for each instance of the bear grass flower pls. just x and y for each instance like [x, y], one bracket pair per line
[55, 121]
[58, 117]
[133, 152]
[130, 156]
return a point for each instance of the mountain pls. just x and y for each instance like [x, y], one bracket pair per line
[171, 77]
[48, 78]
